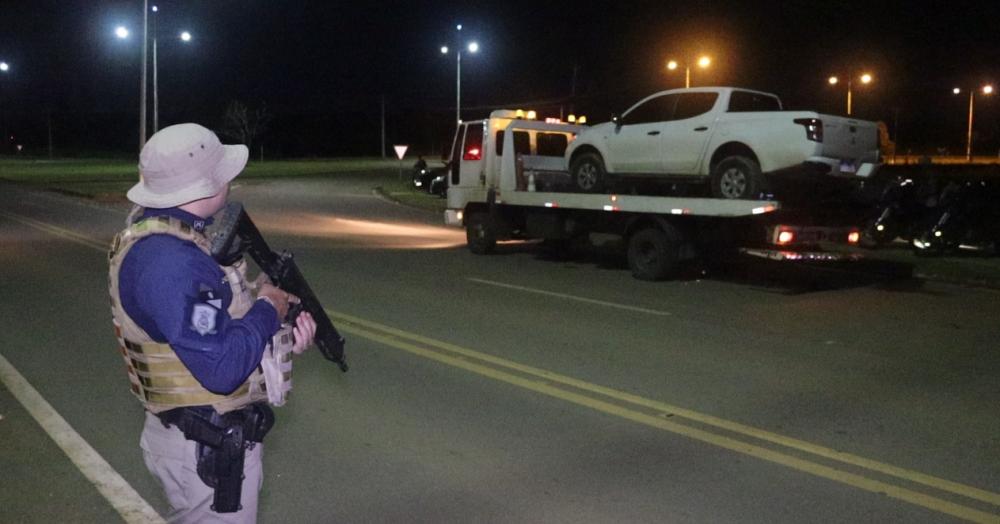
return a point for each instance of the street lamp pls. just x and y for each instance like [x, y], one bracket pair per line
[472, 47]
[865, 78]
[184, 36]
[4, 68]
[986, 90]
[123, 33]
[703, 62]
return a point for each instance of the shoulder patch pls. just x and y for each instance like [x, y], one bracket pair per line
[203, 319]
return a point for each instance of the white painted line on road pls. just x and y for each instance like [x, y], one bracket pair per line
[572, 297]
[126, 501]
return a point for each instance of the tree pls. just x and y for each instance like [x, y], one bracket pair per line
[244, 125]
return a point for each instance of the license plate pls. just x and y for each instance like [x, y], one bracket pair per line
[847, 167]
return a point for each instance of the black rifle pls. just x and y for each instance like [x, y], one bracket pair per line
[234, 234]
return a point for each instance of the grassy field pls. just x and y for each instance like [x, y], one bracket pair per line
[104, 179]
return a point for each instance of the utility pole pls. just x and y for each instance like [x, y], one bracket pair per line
[383, 126]
[142, 82]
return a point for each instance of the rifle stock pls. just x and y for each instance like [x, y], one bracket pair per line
[236, 234]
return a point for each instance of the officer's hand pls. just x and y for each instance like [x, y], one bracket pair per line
[304, 331]
[279, 299]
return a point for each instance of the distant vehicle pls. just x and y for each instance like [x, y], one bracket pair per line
[439, 184]
[432, 180]
[734, 139]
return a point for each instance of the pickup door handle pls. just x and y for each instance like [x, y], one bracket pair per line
[702, 128]
[653, 133]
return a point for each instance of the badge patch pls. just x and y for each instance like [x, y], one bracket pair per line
[203, 319]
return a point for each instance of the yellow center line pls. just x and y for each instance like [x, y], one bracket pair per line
[819, 470]
[735, 427]
[63, 233]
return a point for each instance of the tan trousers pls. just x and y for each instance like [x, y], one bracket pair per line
[171, 459]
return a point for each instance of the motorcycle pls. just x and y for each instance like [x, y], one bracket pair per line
[968, 220]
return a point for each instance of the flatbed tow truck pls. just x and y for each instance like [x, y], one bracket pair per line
[509, 179]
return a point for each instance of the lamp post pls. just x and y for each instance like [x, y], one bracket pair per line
[4, 68]
[865, 78]
[986, 90]
[123, 33]
[473, 47]
[703, 62]
[184, 36]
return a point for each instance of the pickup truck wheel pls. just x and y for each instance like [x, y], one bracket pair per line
[588, 173]
[737, 178]
[653, 253]
[480, 233]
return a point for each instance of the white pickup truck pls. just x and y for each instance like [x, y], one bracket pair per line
[738, 140]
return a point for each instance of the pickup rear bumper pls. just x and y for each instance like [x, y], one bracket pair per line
[842, 168]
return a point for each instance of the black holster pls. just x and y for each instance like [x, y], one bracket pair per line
[222, 442]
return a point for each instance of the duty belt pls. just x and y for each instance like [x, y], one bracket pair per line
[222, 441]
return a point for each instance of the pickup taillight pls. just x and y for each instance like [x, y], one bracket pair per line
[814, 128]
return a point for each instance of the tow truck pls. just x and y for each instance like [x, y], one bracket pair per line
[509, 179]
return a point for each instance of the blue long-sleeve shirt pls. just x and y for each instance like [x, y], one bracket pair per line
[178, 295]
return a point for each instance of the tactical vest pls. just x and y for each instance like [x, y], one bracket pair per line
[159, 379]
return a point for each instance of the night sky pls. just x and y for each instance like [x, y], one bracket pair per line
[322, 68]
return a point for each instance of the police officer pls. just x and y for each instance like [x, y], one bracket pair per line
[204, 356]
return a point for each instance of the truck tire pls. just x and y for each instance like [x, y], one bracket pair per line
[588, 173]
[737, 178]
[654, 253]
[480, 233]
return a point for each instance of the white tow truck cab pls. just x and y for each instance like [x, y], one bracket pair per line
[509, 179]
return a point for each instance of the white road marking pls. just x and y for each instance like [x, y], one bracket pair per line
[126, 501]
[572, 297]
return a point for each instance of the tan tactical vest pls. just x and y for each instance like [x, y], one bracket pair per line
[158, 377]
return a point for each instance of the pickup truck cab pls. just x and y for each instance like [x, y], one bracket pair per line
[734, 139]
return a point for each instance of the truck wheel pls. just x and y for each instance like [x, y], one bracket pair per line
[480, 233]
[737, 178]
[588, 173]
[653, 253]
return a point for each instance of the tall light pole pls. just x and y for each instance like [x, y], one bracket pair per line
[865, 78]
[703, 62]
[184, 36]
[123, 33]
[4, 68]
[473, 47]
[986, 90]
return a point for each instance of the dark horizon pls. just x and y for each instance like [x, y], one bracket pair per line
[323, 68]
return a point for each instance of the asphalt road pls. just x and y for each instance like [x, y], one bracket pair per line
[521, 387]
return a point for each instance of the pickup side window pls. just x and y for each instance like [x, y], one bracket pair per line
[693, 104]
[659, 109]
[551, 144]
[522, 143]
[745, 101]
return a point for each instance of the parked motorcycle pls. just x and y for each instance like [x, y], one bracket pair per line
[904, 210]
[968, 219]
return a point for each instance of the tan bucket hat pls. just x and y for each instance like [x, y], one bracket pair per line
[183, 163]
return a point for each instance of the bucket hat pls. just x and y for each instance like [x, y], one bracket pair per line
[183, 163]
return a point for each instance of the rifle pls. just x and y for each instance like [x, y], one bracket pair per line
[234, 234]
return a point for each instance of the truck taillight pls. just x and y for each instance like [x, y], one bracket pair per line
[473, 153]
[814, 128]
[785, 237]
[853, 237]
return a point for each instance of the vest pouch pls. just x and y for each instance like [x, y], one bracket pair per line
[277, 366]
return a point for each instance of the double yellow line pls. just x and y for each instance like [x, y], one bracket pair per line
[734, 436]
[793, 453]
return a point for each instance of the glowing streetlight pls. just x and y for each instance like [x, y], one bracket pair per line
[702, 62]
[185, 36]
[121, 32]
[865, 78]
[4, 67]
[471, 47]
[986, 90]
